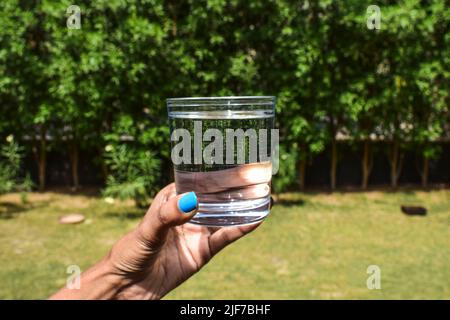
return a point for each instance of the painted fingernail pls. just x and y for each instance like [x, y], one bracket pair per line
[188, 202]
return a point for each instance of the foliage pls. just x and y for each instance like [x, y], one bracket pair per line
[11, 155]
[287, 172]
[133, 174]
[330, 72]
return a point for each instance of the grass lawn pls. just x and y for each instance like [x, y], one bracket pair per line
[312, 246]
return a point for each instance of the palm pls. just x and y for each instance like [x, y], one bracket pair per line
[190, 246]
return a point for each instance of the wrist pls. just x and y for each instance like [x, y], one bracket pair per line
[107, 278]
[132, 262]
[100, 282]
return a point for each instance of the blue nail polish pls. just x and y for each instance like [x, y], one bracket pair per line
[188, 202]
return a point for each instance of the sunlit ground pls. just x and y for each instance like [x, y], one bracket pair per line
[312, 246]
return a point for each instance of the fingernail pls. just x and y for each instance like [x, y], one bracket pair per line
[188, 202]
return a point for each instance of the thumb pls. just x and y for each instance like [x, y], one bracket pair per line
[178, 210]
[168, 210]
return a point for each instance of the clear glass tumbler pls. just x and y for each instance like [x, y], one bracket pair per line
[222, 150]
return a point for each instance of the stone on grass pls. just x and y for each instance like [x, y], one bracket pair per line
[71, 218]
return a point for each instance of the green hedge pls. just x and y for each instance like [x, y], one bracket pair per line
[333, 76]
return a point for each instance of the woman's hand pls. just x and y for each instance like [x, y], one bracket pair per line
[161, 253]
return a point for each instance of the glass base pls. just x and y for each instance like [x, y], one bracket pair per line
[232, 213]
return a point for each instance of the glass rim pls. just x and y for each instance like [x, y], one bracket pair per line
[220, 101]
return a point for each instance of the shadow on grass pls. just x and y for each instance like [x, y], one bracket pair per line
[406, 189]
[289, 202]
[10, 210]
[125, 215]
[87, 191]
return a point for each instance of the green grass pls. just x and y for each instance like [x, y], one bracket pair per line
[312, 246]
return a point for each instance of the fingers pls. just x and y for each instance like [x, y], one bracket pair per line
[166, 211]
[245, 193]
[224, 236]
[217, 181]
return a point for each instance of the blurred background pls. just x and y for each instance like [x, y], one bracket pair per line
[363, 110]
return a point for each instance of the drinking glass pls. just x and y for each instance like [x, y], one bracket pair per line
[222, 149]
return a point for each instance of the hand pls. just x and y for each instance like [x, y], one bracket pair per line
[245, 182]
[161, 253]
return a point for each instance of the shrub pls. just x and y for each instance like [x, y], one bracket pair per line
[287, 173]
[11, 156]
[134, 174]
